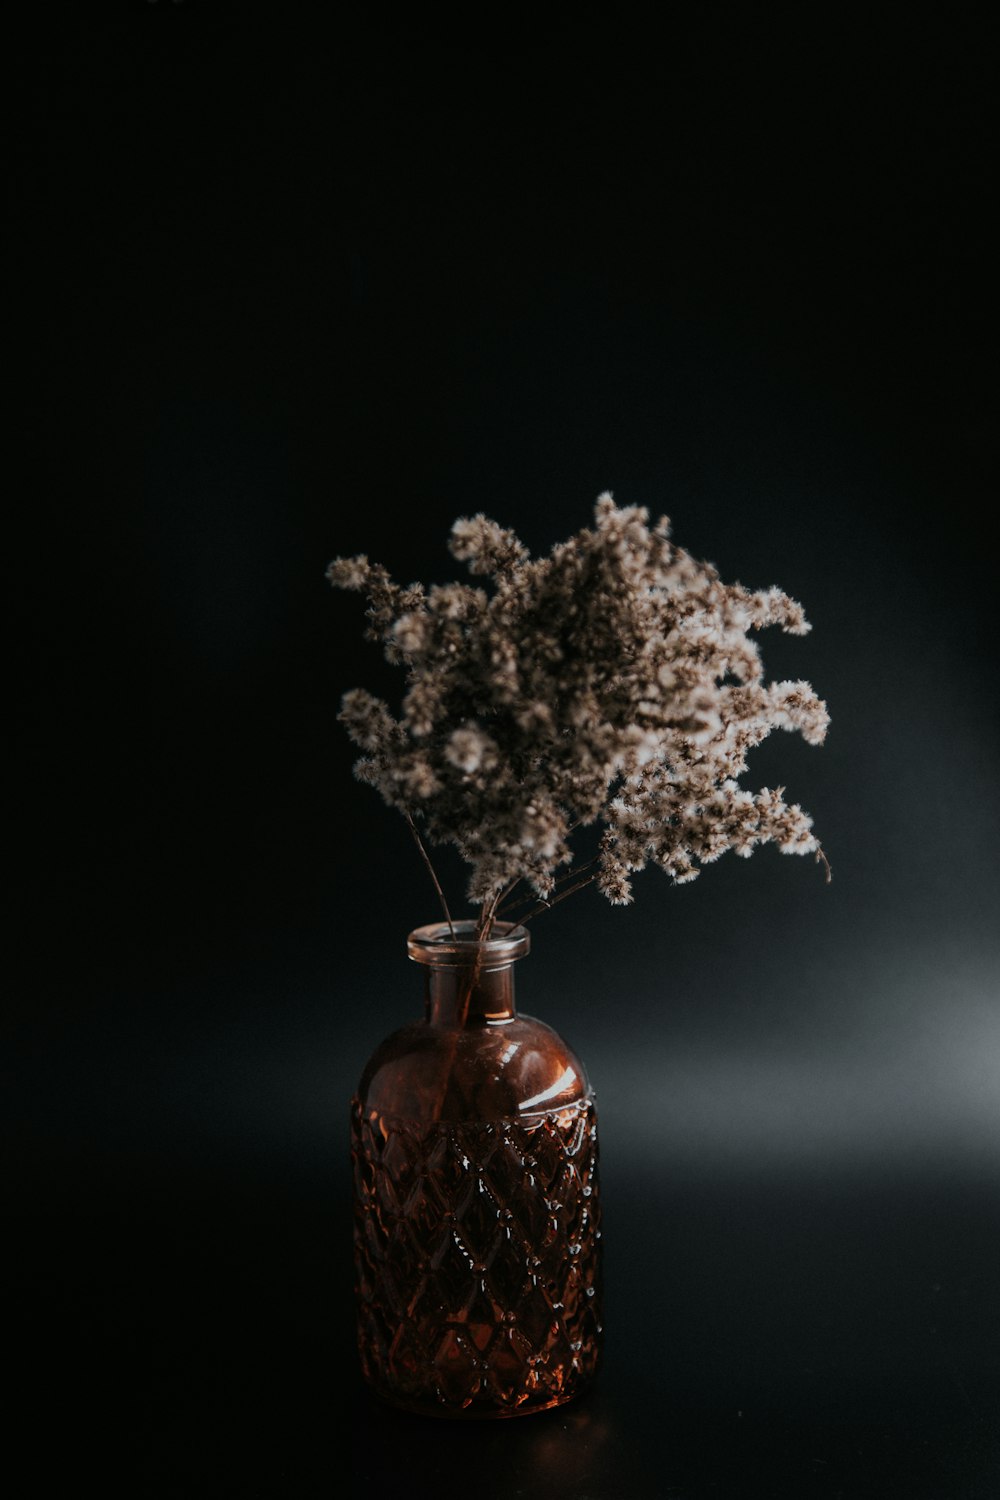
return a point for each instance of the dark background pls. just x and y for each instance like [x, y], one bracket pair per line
[290, 294]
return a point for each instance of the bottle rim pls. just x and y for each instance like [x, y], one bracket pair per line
[456, 947]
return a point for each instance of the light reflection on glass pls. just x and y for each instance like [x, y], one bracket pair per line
[565, 1081]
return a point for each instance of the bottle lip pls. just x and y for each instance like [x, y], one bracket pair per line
[437, 946]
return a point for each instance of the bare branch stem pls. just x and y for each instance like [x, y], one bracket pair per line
[573, 874]
[430, 868]
[544, 905]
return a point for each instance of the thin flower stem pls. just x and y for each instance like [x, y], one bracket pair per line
[490, 907]
[570, 875]
[505, 893]
[545, 905]
[437, 884]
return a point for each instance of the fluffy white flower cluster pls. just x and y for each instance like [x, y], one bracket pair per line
[612, 683]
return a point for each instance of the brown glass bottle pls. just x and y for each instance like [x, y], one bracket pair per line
[477, 1216]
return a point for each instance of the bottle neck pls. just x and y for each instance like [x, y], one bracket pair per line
[455, 996]
[468, 977]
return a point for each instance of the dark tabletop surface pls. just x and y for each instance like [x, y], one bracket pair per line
[793, 1336]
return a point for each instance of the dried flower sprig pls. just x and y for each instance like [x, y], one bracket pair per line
[613, 683]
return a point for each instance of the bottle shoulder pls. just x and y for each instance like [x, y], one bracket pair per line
[485, 1070]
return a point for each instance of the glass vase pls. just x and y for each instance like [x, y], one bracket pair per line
[476, 1209]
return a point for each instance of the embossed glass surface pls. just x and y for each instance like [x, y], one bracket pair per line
[477, 1217]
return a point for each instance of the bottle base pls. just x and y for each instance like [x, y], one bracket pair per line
[478, 1411]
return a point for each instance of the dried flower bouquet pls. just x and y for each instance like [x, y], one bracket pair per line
[611, 683]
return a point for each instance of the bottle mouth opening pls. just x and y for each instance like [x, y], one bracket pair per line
[442, 948]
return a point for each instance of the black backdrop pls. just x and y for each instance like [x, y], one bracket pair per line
[293, 293]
